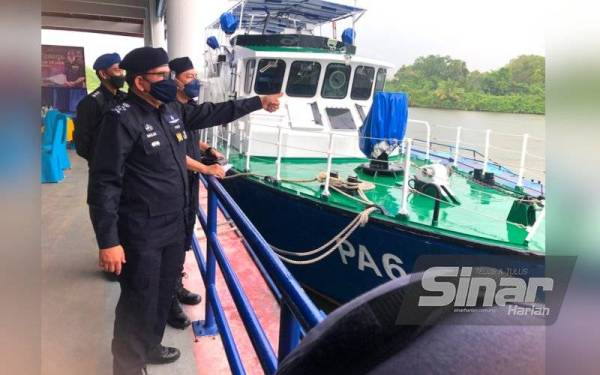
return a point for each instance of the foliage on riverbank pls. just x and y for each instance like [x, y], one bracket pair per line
[443, 82]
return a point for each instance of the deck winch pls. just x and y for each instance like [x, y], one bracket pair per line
[434, 180]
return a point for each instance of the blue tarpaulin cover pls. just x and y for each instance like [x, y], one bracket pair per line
[212, 42]
[348, 36]
[386, 121]
[228, 22]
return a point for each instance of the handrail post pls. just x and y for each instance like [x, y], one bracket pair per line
[522, 163]
[248, 149]
[209, 320]
[329, 163]
[428, 145]
[215, 140]
[486, 152]
[278, 161]
[228, 141]
[289, 332]
[457, 146]
[404, 208]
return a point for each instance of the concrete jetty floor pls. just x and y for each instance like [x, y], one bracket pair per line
[78, 301]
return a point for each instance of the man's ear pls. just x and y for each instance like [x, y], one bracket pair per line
[137, 82]
[102, 74]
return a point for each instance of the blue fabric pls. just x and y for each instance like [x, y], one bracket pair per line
[348, 36]
[386, 120]
[106, 61]
[53, 147]
[228, 22]
[212, 42]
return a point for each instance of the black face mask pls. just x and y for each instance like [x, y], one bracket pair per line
[117, 81]
[165, 90]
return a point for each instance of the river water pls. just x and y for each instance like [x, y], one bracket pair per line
[506, 135]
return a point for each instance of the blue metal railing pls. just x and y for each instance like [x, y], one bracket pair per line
[297, 310]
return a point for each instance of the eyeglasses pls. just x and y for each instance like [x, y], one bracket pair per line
[164, 75]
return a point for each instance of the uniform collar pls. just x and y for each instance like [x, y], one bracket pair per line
[141, 102]
[106, 92]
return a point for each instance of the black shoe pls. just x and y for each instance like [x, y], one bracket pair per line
[163, 354]
[177, 318]
[185, 296]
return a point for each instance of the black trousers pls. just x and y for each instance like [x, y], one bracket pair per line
[154, 261]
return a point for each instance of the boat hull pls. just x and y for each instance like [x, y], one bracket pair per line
[372, 255]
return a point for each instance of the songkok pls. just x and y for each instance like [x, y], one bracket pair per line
[181, 64]
[142, 59]
[106, 61]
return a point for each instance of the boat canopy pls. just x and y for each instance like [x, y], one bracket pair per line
[274, 16]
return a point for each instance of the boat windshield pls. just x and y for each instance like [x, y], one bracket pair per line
[335, 85]
[380, 81]
[303, 79]
[269, 77]
[363, 82]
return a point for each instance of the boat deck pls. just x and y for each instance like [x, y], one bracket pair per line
[481, 215]
[78, 302]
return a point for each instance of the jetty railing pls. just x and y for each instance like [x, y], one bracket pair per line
[298, 313]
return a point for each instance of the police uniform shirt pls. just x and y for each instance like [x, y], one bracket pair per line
[140, 161]
[90, 111]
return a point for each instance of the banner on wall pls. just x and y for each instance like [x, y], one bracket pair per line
[63, 77]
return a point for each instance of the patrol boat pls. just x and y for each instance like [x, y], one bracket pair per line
[332, 181]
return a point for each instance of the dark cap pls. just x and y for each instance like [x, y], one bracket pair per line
[181, 64]
[106, 61]
[142, 59]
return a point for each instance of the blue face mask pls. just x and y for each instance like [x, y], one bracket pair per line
[192, 89]
[165, 90]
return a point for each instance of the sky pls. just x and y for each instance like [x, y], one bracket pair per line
[484, 34]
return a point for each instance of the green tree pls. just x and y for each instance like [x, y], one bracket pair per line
[443, 82]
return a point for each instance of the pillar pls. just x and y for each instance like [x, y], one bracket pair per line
[185, 31]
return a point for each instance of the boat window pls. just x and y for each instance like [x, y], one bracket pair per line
[340, 118]
[335, 85]
[380, 81]
[250, 65]
[303, 79]
[269, 76]
[363, 82]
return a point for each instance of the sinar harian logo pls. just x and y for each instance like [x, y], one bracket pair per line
[466, 293]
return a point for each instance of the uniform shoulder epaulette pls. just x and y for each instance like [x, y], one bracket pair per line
[121, 108]
[95, 93]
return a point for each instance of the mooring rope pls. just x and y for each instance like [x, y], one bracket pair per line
[359, 221]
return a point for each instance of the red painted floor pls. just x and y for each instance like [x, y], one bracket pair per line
[208, 351]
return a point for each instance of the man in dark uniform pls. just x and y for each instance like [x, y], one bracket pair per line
[92, 108]
[188, 88]
[139, 197]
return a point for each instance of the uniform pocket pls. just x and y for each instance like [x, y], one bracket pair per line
[151, 145]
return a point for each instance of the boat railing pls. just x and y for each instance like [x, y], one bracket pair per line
[297, 311]
[277, 125]
[456, 147]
